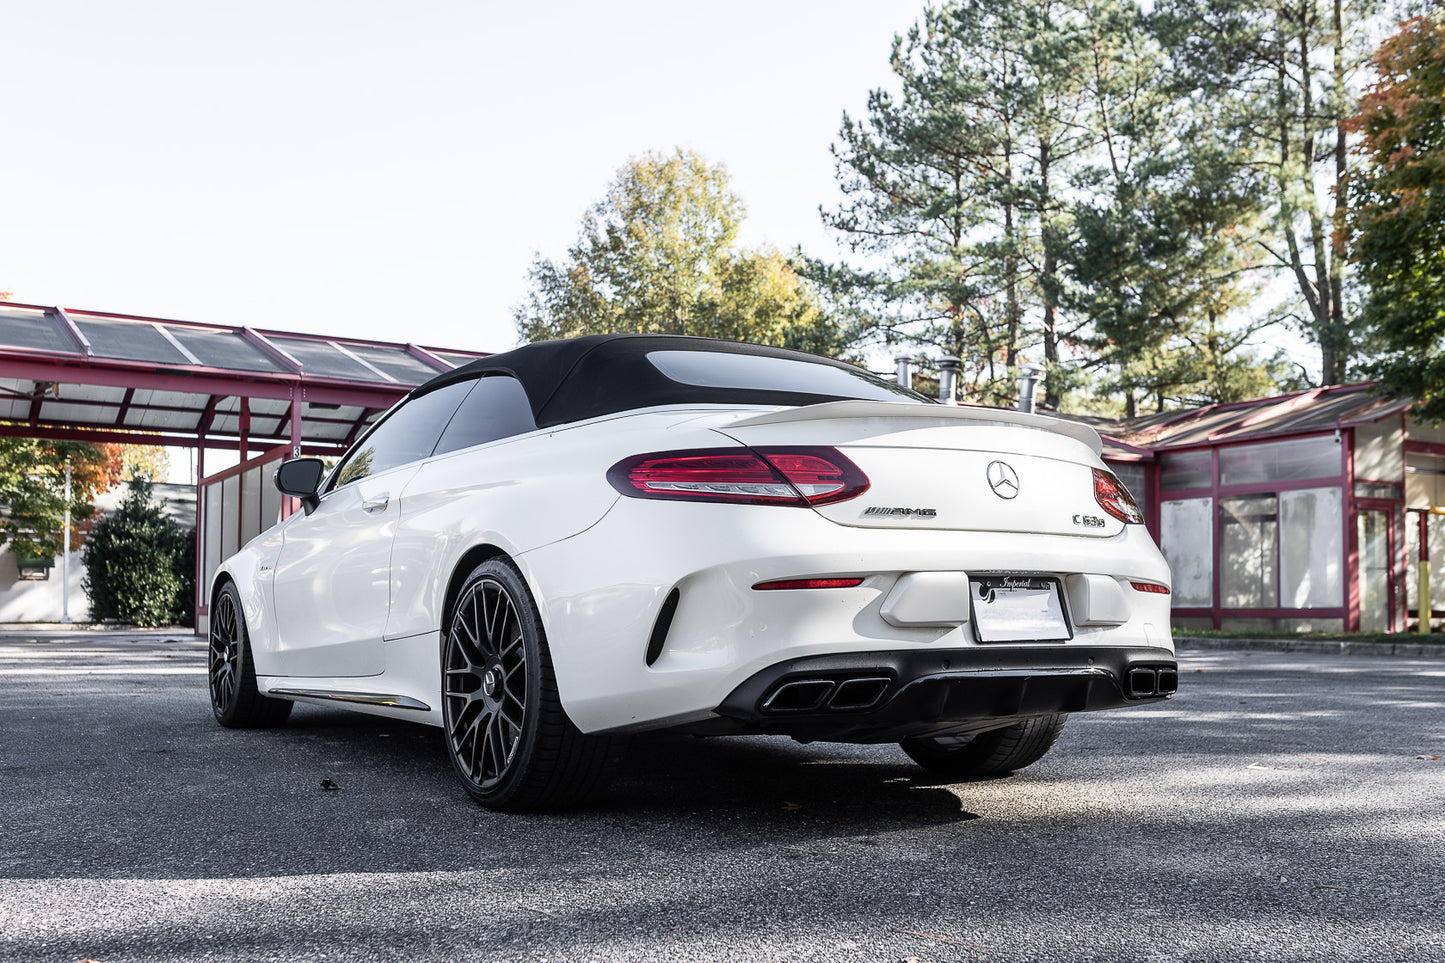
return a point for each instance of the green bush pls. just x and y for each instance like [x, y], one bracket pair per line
[140, 565]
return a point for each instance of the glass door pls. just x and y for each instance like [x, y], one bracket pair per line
[1376, 612]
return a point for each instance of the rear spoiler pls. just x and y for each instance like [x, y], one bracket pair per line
[927, 416]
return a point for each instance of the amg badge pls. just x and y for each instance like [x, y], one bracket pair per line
[920, 512]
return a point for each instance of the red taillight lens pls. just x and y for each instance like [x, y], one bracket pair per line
[1115, 499]
[808, 583]
[821, 475]
[765, 476]
[1150, 587]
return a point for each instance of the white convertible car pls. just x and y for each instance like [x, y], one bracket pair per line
[547, 550]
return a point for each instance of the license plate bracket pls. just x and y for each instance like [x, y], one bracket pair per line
[1018, 608]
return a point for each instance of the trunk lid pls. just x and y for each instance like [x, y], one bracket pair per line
[946, 468]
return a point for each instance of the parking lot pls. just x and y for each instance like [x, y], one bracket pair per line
[1278, 809]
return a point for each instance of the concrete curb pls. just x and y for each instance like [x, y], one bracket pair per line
[41, 633]
[1406, 650]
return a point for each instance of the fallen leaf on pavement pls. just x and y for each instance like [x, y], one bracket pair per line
[790, 806]
[1427, 757]
[328, 784]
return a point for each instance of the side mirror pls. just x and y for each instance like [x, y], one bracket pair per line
[300, 478]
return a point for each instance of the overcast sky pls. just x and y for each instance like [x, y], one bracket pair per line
[387, 170]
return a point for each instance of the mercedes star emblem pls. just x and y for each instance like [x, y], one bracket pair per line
[1002, 479]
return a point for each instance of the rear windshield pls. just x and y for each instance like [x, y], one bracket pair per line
[710, 369]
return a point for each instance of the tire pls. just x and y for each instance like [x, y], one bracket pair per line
[234, 698]
[987, 753]
[509, 739]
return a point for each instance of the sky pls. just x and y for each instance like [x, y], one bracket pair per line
[389, 170]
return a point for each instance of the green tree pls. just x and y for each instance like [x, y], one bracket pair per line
[1039, 184]
[140, 564]
[1397, 224]
[952, 186]
[32, 491]
[1281, 74]
[659, 255]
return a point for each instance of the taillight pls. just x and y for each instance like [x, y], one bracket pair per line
[1115, 499]
[749, 476]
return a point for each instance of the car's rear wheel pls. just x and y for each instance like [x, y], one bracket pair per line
[235, 700]
[987, 753]
[508, 736]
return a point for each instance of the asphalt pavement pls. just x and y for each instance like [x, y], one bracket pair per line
[1285, 806]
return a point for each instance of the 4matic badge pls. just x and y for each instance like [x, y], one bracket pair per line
[920, 512]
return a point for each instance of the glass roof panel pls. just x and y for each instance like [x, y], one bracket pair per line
[78, 414]
[169, 399]
[14, 409]
[397, 362]
[321, 359]
[224, 349]
[330, 431]
[454, 358]
[34, 329]
[163, 420]
[128, 340]
[92, 393]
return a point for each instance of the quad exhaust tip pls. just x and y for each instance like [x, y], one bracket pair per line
[854, 693]
[1145, 682]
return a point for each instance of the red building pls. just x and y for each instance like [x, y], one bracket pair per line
[1297, 513]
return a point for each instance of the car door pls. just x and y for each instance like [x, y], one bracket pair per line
[332, 584]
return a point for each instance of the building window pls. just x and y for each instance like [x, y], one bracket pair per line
[1186, 469]
[1186, 535]
[1293, 459]
[1248, 542]
[1312, 548]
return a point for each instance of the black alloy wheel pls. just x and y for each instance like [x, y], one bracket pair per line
[485, 685]
[509, 739]
[235, 700]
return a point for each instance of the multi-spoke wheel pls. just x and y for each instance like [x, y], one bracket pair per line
[987, 753]
[509, 739]
[234, 697]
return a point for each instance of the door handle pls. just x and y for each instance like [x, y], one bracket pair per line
[377, 504]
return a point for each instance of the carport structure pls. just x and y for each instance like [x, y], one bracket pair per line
[268, 395]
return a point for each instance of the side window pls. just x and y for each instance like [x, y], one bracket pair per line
[496, 408]
[407, 434]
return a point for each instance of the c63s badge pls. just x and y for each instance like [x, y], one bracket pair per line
[919, 512]
[1089, 521]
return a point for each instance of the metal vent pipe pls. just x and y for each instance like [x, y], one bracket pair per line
[1028, 377]
[948, 372]
[903, 370]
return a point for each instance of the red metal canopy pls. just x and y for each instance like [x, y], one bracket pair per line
[96, 376]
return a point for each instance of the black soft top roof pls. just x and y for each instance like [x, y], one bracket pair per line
[601, 374]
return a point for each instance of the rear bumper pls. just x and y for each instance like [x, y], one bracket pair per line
[890, 695]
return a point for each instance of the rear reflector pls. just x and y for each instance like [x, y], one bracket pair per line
[808, 583]
[764, 476]
[1115, 499]
[1150, 587]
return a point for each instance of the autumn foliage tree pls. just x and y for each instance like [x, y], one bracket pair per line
[659, 254]
[32, 491]
[1396, 229]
